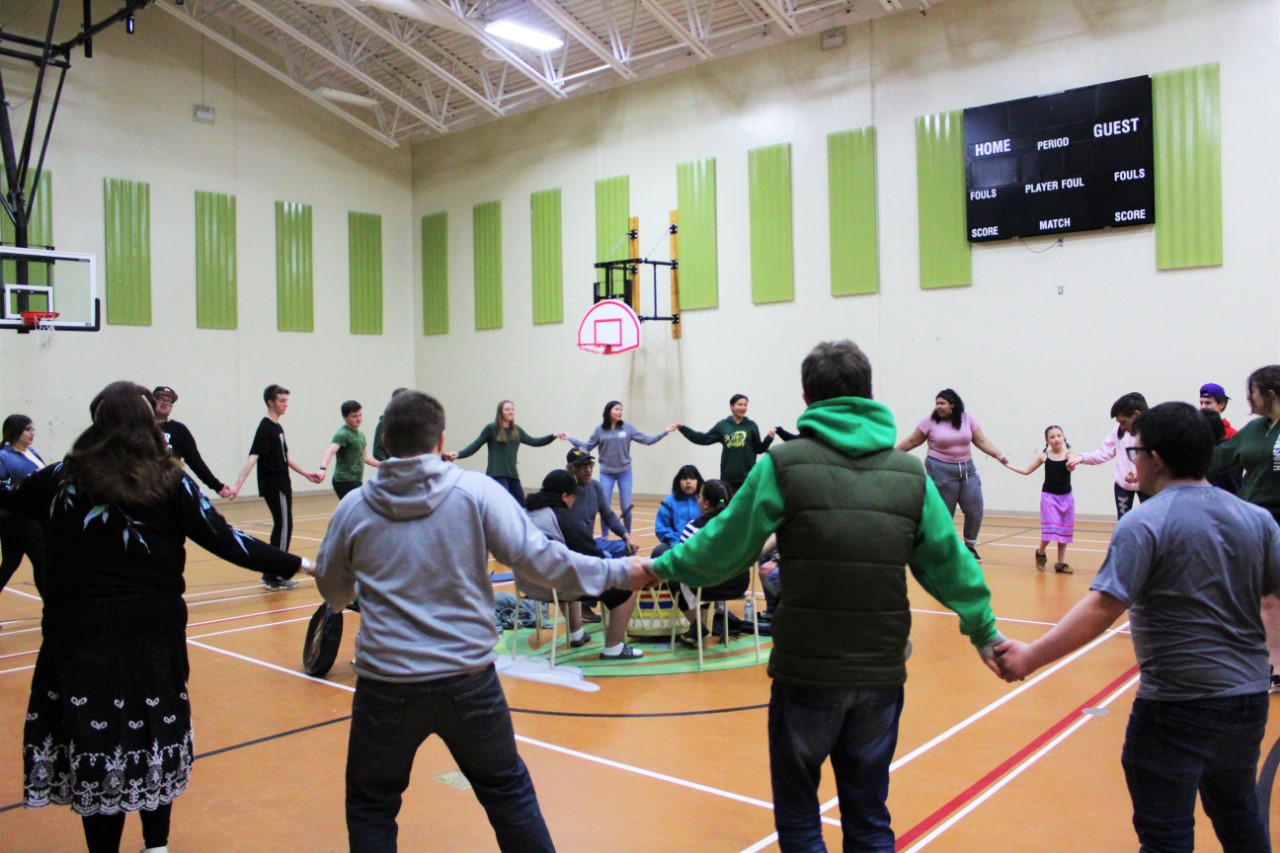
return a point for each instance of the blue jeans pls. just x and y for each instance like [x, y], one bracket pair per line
[624, 494]
[389, 721]
[612, 547]
[1172, 750]
[859, 730]
[958, 483]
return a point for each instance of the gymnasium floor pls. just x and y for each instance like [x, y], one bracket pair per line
[647, 763]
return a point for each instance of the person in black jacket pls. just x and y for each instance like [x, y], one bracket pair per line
[557, 495]
[181, 442]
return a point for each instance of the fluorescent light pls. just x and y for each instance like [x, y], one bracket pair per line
[520, 34]
[346, 97]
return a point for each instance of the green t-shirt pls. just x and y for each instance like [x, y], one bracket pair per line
[350, 459]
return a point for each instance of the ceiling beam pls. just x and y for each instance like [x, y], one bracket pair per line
[513, 59]
[305, 40]
[674, 27]
[262, 65]
[417, 58]
[780, 17]
[587, 38]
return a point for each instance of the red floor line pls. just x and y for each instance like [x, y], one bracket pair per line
[958, 802]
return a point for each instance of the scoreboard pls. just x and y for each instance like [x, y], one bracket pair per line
[1077, 160]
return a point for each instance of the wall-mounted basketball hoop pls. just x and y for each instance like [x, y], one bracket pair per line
[609, 327]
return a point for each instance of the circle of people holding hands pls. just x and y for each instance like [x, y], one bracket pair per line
[110, 677]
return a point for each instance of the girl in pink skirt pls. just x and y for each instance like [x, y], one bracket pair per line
[1057, 504]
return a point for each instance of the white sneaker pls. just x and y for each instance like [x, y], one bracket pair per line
[164, 849]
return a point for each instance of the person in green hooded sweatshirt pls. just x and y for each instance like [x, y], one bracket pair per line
[739, 440]
[850, 513]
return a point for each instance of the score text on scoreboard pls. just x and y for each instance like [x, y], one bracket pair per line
[1071, 161]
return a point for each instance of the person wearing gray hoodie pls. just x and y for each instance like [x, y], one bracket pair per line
[416, 539]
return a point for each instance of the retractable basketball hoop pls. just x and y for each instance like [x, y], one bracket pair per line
[40, 323]
[612, 325]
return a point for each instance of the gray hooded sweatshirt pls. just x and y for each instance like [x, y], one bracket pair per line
[417, 538]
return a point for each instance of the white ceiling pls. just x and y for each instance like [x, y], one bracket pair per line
[408, 70]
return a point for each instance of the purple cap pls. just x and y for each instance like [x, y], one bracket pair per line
[1212, 389]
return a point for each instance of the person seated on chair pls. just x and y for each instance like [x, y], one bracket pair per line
[712, 501]
[549, 509]
[678, 508]
[592, 501]
[770, 577]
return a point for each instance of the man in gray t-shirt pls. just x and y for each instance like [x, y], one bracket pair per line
[1192, 566]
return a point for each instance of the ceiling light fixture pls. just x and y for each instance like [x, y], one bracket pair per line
[346, 97]
[520, 34]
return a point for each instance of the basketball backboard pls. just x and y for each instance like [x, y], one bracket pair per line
[47, 280]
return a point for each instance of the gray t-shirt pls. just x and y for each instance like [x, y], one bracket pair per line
[1192, 565]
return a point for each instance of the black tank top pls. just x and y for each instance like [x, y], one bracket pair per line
[1057, 479]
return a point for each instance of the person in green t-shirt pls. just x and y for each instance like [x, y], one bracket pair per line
[350, 448]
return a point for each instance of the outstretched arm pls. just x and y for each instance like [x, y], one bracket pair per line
[1027, 469]
[1092, 615]
[696, 437]
[912, 441]
[984, 444]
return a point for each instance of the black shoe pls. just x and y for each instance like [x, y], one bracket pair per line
[626, 653]
[973, 551]
[590, 616]
[581, 641]
[276, 584]
[690, 637]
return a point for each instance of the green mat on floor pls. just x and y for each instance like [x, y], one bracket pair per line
[658, 658]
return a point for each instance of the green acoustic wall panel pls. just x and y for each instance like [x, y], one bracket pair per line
[1187, 107]
[215, 261]
[127, 222]
[294, 268]
[39, 230]
[364, 259]
[486, 226]
[769, 198]
[851, 200]
[945, 258]
[545, 224]
[435, 274]
[696, 203]
[613, 220]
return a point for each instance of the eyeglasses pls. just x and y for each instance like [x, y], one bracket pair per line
[1134, 451]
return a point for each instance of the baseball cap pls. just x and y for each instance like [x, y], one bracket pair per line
[1212, 389]
[165, 391]
[559, 482]
[578, 457]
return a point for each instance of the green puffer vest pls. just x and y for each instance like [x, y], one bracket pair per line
[849, 528]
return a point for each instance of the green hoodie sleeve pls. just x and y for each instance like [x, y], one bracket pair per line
[711, 436]
[949, 573]
[535, 440]
[732, 540]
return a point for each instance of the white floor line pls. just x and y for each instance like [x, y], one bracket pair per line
[973, 718]
[640, 771]
[243, 616]
[243, 628]
[1017, 771]
[25, 654]
[20, 593]
[17, 669]
[10, 633]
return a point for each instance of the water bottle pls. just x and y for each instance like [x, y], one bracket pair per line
[748, 608]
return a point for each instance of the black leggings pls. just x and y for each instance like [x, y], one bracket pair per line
[102, 832]
[19, 536]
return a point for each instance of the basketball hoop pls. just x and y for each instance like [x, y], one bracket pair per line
[40, 323]
[609, 327]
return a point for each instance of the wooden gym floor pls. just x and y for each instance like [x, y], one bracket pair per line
[646, 764]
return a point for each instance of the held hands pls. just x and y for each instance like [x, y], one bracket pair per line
[316, 476]
[990, 654]
[671, 428]
[562, 435]
[226, 493]
[1072, 462]
[449, 457]
[1014, 660]
[642, 575]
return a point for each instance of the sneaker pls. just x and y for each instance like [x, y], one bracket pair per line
[274, 583]
[1062, 569]
[690, 637]
[625, 653]
[590, 616]
[1042, 560]
[580, 641]
[973, 551]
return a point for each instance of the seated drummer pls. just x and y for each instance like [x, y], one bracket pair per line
[549, 509]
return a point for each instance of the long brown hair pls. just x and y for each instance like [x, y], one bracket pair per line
[122, 458]
[500, 432]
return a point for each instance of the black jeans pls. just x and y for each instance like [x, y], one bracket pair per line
[389, 721]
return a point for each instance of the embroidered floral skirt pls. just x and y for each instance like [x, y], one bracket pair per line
[108, 724]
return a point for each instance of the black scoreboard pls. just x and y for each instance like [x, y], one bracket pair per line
[1071, 161]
